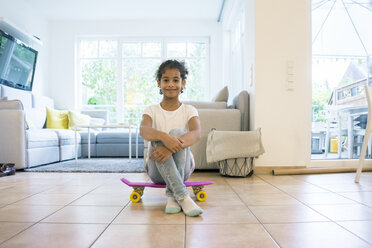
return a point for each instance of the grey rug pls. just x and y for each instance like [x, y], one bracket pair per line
[108, 165]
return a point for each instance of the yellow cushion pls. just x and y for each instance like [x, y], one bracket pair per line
[77, 119]
[57, 119]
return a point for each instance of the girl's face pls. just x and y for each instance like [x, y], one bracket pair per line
[171, 83]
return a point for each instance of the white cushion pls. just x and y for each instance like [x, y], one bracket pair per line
[36, 117]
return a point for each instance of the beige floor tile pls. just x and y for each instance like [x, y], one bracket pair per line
[286, 214]
[248, 180]
[215, 191]
[150, 201]
[310, 235]
[323, 179]
[256, 189]
[142, 236]
[323, 198]
[84, 214]
[102, 200]
[49, 199]
[349, 187]
[302, 188]
[28, 189]
[70, 189]
[56, 235]
[7, 230]
[222, 236]
[148, 215]
[224, 215]
[280, 180]
[8, 198]
[268, 199]
[19, 213]
[344, 212]
[363, 197]
[219, 200]
[116, 189]
[362, 229]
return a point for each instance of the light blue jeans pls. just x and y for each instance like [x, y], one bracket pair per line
[174, 171]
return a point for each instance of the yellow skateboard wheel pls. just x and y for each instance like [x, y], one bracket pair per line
[201, 195]
[135, 197]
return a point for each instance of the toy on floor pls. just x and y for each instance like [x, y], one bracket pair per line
[7, 169]
[139, 187]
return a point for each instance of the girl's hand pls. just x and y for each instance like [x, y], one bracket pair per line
[182, 142]
[172, 143]
[160, 154]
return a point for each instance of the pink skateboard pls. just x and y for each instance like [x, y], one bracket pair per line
[139, 187]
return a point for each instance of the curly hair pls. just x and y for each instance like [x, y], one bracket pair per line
[172, 64]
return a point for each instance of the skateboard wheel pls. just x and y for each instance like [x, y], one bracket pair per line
[201, 195]
[135, 197]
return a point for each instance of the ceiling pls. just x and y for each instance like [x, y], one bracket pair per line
[128, 9]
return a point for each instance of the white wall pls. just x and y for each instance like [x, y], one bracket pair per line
[24, 17]
[282, 33]
[63, 36]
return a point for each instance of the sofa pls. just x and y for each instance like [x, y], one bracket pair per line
[29, 147]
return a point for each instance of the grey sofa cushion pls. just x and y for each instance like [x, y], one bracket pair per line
[222, 95]
[117, 137]
[84, 137]
[118, 150]
[67, 137]
[37, 138]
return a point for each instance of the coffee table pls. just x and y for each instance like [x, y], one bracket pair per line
[107, 126]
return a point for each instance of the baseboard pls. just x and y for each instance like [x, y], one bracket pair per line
[292, 171]
[269, 169]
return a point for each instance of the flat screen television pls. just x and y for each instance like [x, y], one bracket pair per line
[17, 62]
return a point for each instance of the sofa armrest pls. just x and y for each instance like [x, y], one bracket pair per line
[13, 137]
[241, 102]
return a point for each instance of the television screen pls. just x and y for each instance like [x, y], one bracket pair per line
[17, 63]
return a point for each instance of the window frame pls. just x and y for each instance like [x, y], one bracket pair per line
[120, 94]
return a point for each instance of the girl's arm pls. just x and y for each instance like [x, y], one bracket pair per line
[194, 133]
[151, 134]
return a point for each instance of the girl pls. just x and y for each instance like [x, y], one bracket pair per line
[172, 127]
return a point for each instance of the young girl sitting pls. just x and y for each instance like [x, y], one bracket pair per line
[172, 127]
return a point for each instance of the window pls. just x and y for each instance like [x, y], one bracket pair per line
[118, 74]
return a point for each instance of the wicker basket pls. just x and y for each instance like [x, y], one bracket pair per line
[237, 167]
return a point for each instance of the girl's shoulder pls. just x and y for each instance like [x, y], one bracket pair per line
[190, 109]
[188, 106]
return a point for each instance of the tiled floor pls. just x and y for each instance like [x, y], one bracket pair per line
[93, 210]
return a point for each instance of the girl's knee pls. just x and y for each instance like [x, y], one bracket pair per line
[176, 132]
